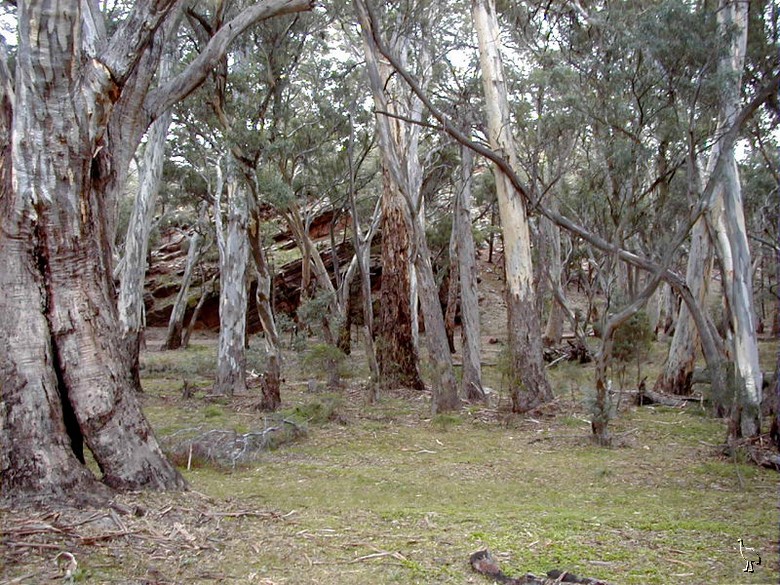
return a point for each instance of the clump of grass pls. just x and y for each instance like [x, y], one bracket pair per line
[318, 411]
[445, 421]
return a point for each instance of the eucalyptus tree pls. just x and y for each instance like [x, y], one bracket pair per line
[72, 119]
[586, 26]
[132, 268]
[529, 384]
[397, 125]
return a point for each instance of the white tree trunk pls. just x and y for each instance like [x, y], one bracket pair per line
[130, 303]
[678, 372]
[233, 261]
[174, 338]
[528, 380]
[731, 234]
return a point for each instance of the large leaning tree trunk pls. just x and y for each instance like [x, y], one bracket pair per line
[64, 382]
[132, 273]
[528, 380]
[728, 218]
[80, 105]
[233, 244]
[467, 281]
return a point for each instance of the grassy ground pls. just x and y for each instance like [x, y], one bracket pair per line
[386, 494]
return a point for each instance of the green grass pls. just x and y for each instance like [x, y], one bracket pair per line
[385, 493]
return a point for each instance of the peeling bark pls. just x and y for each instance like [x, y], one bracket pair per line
[63, 375]
[728, 219]
[233, 262]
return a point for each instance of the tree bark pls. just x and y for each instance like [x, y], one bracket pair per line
[452, 283]
[233, 261]
[362, 245]
[272, 377]
[397, 353]
[467, 282]
[173, 337]
[529, 386]
[677, 374]
[63, 376]
[206, 289]
[553, 331]
[130, 303]
[728, 218]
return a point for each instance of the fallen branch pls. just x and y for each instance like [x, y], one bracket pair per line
[485, 564]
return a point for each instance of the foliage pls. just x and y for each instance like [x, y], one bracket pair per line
[632, 339]
[326, 362]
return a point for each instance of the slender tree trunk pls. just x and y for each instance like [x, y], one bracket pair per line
[467, 273]
[272, 377]
[452, 282]
[363, 259]
[207, 288]
[311, 256]
[529, 386]
[174, 338]
[444, 387]
[132, 277]
[233, 260]
[553, 331]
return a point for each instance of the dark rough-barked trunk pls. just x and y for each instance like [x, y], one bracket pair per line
[396, 353]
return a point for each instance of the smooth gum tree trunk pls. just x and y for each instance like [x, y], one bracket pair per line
[233, 245]
[676, 376]
[529, 386]
[728, 219]
[173, 335]
[130, 303]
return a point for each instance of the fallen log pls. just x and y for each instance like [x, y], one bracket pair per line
[485, 564]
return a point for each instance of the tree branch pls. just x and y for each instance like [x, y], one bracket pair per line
[127, 44]
[448, 126]
[188, 80]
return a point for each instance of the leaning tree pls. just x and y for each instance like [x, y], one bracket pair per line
[79, 103]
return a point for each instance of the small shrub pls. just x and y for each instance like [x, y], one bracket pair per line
[212, 411]
[316, 412]
[327, 362]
